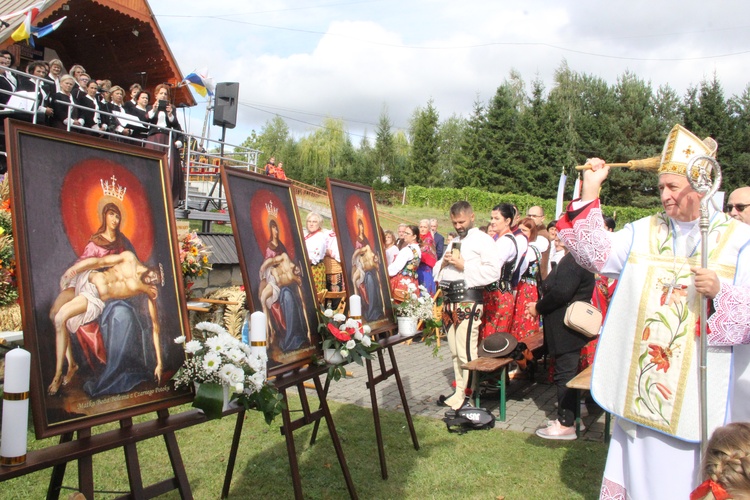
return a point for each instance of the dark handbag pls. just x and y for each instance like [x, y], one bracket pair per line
[584, 318]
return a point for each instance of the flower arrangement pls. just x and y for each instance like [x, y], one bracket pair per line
[215, 359]
[424, 307]
[346, 337]
[415, 306]
[8, 285]
[193, 259]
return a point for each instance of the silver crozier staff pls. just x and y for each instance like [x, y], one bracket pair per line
[701, 181]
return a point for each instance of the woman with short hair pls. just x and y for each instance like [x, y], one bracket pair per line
[61, 105]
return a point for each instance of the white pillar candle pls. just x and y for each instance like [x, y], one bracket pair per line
[258, 333]
[15, 407]
[355, 306]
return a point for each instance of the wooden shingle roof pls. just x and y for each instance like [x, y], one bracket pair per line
[117, 40]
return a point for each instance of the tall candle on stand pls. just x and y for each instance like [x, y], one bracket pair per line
[355, 307]
[15, 407]
[258, 334]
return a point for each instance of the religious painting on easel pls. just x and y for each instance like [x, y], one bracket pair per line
[99, 277]
[356, 223]
[274, 264]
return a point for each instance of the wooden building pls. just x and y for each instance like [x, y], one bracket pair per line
[117, 40]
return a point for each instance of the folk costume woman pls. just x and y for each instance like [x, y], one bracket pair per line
[429, 257]
[316, 242]
[403, 270]
[498, 296]
[527, 289]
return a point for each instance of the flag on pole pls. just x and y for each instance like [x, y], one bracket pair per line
[23, 32]
[46, 30]
[200, 81]
[560, 194]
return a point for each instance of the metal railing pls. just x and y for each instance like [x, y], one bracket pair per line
[201, 165]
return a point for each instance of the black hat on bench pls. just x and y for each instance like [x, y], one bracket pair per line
[497, 345]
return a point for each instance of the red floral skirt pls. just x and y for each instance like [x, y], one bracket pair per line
[400, 287]
[587, 354]
[523, 326]
[498, 313]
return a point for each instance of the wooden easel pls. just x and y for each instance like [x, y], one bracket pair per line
[283, 382]
[386, 343]
[86, 445]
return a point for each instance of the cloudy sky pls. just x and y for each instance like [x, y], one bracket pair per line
[307, 59]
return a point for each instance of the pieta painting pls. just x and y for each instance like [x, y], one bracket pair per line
[274, 263]
[99, 279]
[362, 256]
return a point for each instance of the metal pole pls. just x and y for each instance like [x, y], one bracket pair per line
[223, 136]
[707, 187]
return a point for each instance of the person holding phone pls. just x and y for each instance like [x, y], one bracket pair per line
[463, 273]
[162, 117]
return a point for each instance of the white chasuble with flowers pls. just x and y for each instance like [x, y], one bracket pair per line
[651, 334]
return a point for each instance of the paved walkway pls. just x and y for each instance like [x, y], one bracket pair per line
[425, 377]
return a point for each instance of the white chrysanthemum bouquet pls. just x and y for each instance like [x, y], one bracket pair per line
[417, 304]
[215, 359]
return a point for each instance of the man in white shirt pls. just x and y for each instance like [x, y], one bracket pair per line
[470, 263]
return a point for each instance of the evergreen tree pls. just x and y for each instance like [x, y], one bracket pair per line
[384, 154]
[450, 136]
[472, 162]
[504, 172]
[423, 169]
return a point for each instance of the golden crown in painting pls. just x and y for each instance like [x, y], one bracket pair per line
[272, 211]
[113, 189]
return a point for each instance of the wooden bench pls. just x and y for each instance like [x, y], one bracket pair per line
[582, 382]
[497, 368]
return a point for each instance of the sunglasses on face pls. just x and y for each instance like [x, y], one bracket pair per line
[739, 206]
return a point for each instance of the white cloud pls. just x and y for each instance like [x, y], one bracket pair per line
[306, 61]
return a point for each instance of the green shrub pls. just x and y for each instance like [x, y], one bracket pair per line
[483, 201]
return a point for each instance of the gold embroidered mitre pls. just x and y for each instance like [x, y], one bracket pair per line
[680, 147]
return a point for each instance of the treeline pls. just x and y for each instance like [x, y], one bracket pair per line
[483, 201]
[521, 139]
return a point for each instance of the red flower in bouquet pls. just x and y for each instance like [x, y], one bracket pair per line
[343, 336]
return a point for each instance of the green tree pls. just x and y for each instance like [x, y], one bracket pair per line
[450, 136]
[423, 169]
[472, 164]
[384, 154]
[504, 172]
[321, 151]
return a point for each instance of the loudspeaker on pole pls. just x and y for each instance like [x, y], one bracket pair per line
[225, 105]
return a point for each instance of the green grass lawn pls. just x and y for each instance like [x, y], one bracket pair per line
[478, 465]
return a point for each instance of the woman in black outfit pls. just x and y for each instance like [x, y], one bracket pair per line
[567, 283]
[163, 115]
[61, 105]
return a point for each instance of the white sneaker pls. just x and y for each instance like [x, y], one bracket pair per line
[556, 431]
[582, 427]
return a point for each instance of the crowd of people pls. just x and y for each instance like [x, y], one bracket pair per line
[507, 277]
[46, 94]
